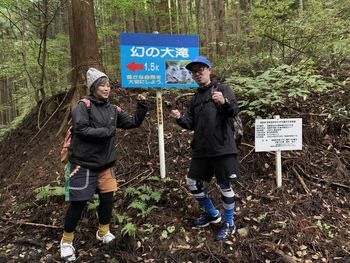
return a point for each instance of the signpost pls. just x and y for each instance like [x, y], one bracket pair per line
[278, 135]
[157, 61]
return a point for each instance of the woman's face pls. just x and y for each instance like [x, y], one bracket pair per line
[103, 90]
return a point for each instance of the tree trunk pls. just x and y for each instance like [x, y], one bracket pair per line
[220, 41]
[238, 18]
[2, 121]
[251, 43]
[183, 13]
[301, 6]
[210, 42]
[170, 16]
[130, 26]
[163, 16]
[43, 49]
[83, 44]
[197, 9]
[154, 20]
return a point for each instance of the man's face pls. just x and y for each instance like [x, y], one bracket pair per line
[201, 74]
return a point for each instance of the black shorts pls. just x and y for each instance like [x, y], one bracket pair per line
[224, 168]
[82, 183]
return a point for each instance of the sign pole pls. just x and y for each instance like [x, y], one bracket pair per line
[278, 164]
[160, 130]
[160, 133]
[157, 61]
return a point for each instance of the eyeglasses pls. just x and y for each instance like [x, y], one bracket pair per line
[198, 71]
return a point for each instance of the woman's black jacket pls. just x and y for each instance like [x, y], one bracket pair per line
[93, 132]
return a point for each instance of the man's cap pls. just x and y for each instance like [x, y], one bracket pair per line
[92, 75]
[198, 60]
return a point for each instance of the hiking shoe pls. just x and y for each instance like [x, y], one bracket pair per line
[225, 231]
[67, 252]
[106, 238]
[206, 219]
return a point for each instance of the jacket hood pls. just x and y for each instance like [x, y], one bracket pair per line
[204, 88]
[94, 100]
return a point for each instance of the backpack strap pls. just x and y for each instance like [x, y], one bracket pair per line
[197, 103]
[117, 108]
[88, 105]
[86, 101]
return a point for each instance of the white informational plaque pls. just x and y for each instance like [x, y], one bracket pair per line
[278, 134]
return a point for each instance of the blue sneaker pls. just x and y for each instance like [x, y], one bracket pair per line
[225, 231]
[206, 219]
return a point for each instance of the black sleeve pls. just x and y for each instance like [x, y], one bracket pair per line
[230, 107]
[186, 121]
[82, 126]
[125, 121]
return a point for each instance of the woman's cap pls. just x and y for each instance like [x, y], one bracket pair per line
[92, 75]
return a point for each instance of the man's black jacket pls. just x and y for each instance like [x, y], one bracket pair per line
[213, 135]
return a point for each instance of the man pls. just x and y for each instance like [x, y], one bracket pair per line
[92, 156]
[214, 152]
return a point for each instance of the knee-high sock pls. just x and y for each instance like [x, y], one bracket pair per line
[228, 200]
[67, 237]
[200, 193]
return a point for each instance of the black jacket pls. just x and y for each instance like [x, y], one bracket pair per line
[93, 132]
[212, 124]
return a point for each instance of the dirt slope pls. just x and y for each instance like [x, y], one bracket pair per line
[307, 220]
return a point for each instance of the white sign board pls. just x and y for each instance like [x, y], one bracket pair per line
[278, 134]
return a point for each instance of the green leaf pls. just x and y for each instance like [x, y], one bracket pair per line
[129, 229]
[136, 204]
[156, 196]
[170, 229]
[45, 192]
[130, 192]
[164, 234]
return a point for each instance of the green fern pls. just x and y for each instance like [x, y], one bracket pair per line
[153, 178]
[131, 191]
[144, 197]
[137, 204]
[148, 228]
[19, 207]
[156, 195]
[45, 192]
[146, 211]
[120, 219]
[145, 189]
[129, 229]
[93, 204]
[141, 198]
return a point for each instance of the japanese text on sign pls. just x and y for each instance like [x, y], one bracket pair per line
[157, 60]
[159, 111]
[157, 52]
[278, 134]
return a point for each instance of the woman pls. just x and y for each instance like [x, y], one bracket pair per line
[92, 156]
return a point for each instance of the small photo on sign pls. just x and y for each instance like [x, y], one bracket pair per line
[176, 72]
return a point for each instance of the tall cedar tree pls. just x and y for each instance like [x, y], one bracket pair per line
[83, 45]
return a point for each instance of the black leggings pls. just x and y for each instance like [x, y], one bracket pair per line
[76, 209]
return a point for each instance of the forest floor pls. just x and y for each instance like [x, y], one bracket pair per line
[306, 220]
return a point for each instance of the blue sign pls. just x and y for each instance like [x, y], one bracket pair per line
[157, 60]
